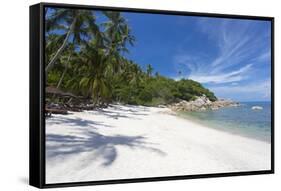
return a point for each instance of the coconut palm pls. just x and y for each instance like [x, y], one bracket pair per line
[66, 61]
[149, 70]
[74, 24]
[91, 69]
[104, 57]
[96, 68]
[117, 32]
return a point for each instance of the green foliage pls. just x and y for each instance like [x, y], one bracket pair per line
[189, 89]
[159, 90]
[92, 64]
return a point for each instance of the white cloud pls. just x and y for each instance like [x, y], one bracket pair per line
[233, 76]
[235, 49]
[266, 56]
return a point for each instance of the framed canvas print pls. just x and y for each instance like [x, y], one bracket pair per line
[122, 95]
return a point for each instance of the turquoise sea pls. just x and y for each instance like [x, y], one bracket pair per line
[242, 120]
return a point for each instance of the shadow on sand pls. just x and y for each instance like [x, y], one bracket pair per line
[76, 122]
[120, 112]
[59, 146]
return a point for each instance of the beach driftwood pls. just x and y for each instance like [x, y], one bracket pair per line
[73, 103]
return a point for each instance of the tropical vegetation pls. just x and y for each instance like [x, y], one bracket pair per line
[85, 54]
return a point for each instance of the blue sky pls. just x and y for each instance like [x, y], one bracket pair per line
[231, 57]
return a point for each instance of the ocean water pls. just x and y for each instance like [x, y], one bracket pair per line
[240, 120]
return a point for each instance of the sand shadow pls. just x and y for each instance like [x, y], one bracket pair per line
[104, 146]
[120, 112]
[88, 139]
[77, 122]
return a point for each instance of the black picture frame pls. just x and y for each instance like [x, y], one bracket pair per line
[37, 96]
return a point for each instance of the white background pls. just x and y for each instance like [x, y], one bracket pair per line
[14, 87]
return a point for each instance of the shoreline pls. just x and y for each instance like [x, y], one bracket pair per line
[220, 128]
[137, 141]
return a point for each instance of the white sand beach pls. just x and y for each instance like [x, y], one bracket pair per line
[123, 142]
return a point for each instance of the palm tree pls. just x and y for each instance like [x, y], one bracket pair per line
[157, 74]
[149, 70]
[87, 70]
[97, 67]
[117, 35]
[72, 23]
[66, 61]
[53, 42]
[132, 73]
[117, 32]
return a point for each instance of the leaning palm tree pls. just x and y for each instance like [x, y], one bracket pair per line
[77, 25]
[66, 60]
[53, 42]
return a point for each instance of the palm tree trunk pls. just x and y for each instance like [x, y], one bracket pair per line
[60, 50]
[64, 71]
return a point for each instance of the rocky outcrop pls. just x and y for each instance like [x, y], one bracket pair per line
[223, 103]
[202, 103]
